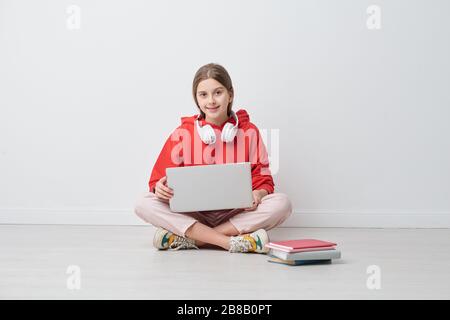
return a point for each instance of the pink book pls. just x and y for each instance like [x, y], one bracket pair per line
[299, 250]
[300, 244]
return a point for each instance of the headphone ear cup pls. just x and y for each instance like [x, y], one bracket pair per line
[207, 134]
[228, 132]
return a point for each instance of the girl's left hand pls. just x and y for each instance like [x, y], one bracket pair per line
[257, 197]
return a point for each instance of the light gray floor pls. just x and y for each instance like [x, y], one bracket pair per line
[119, 262]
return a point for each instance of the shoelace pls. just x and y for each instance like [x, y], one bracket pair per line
[240, 244]
[182, 243]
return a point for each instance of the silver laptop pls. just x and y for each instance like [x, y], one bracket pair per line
[210, 187]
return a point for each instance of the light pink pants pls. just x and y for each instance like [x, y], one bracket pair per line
[271, 212]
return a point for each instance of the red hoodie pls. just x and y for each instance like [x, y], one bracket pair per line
[185, 148]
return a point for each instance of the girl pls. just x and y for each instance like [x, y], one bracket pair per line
[217, 135]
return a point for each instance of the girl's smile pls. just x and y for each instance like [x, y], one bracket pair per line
[213, 109]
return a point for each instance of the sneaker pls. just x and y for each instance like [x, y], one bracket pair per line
[164, 240]
[253, 242]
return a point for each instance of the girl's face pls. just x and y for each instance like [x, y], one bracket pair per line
[213, 99]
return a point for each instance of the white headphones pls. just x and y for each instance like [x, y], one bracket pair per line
[208, 135]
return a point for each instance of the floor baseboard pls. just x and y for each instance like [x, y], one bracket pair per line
[320, 219]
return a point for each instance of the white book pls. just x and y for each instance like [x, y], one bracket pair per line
[310, 255]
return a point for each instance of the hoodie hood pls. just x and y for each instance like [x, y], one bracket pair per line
[242, 115]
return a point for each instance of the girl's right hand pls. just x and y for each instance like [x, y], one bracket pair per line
[162, 191]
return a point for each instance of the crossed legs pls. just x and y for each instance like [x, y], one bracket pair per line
[219, 235]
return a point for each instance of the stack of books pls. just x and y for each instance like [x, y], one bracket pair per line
[302, 251]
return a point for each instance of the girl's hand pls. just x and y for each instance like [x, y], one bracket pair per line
[257, 197]
[162, 191]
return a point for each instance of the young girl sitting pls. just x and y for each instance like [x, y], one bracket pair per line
[217, 135]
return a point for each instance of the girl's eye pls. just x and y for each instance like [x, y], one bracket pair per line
[202, 94]
[219, 92]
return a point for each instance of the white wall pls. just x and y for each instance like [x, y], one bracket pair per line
[363, 114]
